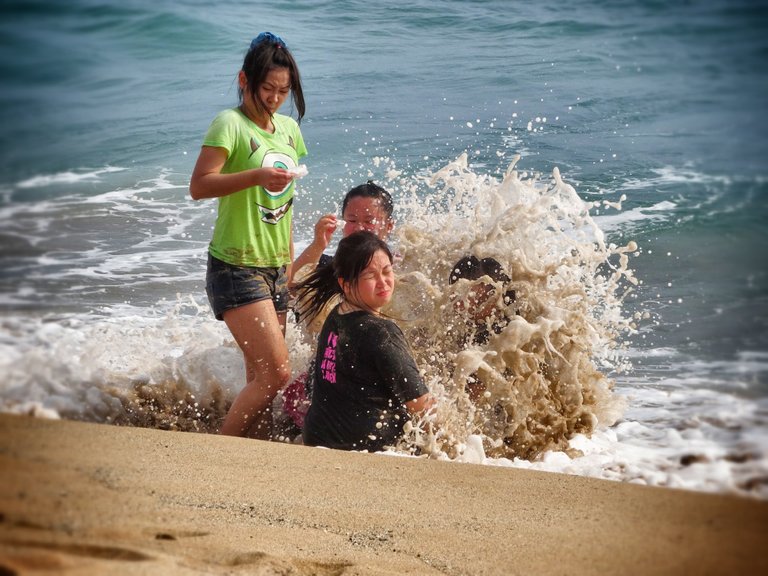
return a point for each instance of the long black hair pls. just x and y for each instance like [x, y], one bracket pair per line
[353, 255]
[266, 53]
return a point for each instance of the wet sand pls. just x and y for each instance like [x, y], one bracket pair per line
[82, 498]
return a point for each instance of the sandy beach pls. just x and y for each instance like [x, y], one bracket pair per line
[83, 498]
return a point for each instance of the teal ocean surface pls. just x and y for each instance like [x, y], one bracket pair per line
[654, 113]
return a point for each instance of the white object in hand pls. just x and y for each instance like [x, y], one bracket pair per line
[299, 171]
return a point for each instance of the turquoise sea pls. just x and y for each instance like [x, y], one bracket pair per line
[654, 112]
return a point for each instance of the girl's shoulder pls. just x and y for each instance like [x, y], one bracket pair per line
[369, 326]
[234, 112]
[228, 117]
[228, 114]
[224, 129]
[286, 122]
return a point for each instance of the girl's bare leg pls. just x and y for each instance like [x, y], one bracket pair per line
[260, 333]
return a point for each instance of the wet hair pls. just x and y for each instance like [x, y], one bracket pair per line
[353, 255]
[370, 190]
[472, 268]
[267, 55]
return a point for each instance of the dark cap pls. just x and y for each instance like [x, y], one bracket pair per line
[472, 268]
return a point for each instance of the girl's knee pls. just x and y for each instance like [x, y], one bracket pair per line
[283, 375]
[274, 378]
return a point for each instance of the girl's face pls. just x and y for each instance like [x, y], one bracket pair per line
[480, 304]
[272, 92]
[363, 213]
[374, 287]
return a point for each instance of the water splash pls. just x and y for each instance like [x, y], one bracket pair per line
[542, 370]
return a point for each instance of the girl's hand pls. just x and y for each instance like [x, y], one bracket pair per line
[273, 178]
[208, 182]
[421, 405]
[324, 229]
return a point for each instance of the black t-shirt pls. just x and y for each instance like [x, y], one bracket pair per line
[364, 374]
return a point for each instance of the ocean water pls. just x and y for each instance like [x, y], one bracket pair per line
[633, 219]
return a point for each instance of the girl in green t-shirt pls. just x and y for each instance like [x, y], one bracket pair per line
[248, 161]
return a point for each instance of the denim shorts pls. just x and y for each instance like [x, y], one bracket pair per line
[229, 286]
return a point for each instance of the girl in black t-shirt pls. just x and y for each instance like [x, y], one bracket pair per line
[366, 382]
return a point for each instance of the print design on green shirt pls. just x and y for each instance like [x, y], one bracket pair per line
[275, 159]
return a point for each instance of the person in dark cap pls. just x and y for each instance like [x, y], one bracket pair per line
[483, 305]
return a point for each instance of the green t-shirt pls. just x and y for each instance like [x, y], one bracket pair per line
[253, 226]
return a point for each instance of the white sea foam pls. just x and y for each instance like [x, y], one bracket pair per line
[171, 365]
[622, 220]
[672, 175]
[67, 177]
[540, 366]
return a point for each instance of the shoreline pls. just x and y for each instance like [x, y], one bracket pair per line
[96, 498]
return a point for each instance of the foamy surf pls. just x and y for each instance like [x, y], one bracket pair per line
[543, 370]
[561, 391]
[69, 177]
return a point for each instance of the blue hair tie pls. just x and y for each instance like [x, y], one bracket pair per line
[268, 37]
